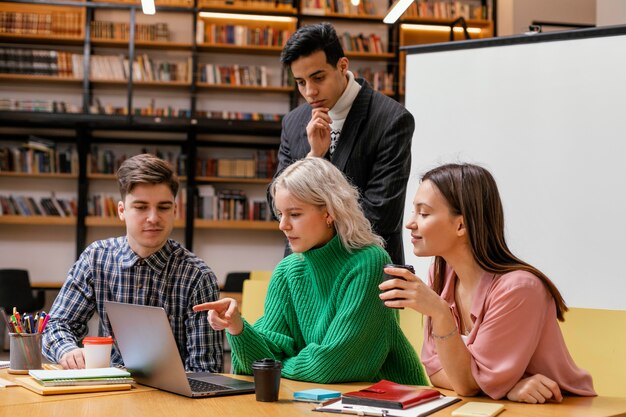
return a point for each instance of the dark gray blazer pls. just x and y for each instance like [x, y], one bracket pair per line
[374, 152]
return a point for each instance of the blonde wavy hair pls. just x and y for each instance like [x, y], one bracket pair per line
[318, 182]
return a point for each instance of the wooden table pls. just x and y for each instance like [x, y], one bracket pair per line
[146, 401]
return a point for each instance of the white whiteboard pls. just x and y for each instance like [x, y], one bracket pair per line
[548, 119]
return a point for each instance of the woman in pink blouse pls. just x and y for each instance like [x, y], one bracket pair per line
[492, 318]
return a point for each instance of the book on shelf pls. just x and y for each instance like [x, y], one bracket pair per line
[62, 22]
[446, 9]
[361, 43]
[212, 34]
[37, 62]
[21, 205]
[120, 31]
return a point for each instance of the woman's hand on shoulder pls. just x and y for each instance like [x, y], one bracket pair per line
[535, 389]
[223, 315]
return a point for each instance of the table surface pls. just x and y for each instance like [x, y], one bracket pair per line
[141, 400]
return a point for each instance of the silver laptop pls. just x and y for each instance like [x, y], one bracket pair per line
[145, 340]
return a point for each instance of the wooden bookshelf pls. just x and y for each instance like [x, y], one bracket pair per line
[97, 221]
[235, 224]
[157, 3]
[232, 87]
[39, 21]
[99, 105]
[282, 8]
[38, 175]
[38, 220]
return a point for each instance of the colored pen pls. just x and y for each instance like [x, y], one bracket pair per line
[42, 318]
[45, 321]
[15, 324]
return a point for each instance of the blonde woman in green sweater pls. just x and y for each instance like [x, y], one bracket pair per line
[323, 318]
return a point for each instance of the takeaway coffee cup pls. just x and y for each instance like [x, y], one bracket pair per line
[25, 352]
[97, 351]
[266, 379]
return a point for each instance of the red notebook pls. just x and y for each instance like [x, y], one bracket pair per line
[387, 394]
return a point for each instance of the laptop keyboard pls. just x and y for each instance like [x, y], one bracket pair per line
[202, 386]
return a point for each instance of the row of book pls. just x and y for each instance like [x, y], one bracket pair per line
[446, 9]
[115, 67]
[241, 35]
[20, 205]
[262, 165]
[38, 156]
[238, 115]
[250, 75]
[44, 23]
[106, 161]
[379, 80]
[229, 205]
[362, 43]
[51, 106]
[151, 110]
[251, 4]
[322, 7]
[40, 62]
[151, 32]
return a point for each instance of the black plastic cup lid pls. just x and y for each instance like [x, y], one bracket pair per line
[267, 363]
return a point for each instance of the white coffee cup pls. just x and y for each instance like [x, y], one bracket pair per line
[97, 351]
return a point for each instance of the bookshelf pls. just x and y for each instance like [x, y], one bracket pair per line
[200, 79]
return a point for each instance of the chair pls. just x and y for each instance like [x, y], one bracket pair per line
[253, 299]
[261, 275]
[412, 325]
[234, 281]
[15, 291]
[595, 341]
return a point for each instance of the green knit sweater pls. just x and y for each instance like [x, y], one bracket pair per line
[324, 321]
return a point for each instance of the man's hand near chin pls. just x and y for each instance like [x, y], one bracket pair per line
[318, 132]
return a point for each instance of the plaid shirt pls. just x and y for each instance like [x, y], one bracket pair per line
[172, 278]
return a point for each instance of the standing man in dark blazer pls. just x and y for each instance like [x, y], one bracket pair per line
[364, 133]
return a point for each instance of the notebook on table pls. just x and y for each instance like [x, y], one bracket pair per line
[145, 340]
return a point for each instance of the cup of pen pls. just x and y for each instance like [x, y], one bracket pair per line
[24, 352]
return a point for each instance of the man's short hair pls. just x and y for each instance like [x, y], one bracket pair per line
[146, 169]
[312, 38]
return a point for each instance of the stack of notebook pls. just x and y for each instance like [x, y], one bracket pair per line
[72, 377]
[64, 381]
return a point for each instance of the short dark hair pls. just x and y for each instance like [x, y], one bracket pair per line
[146, 169]
[312, 38]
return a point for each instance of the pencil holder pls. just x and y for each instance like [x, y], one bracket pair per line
[24, 352]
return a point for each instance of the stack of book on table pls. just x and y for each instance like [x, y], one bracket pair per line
[63, 381]
[387, 398]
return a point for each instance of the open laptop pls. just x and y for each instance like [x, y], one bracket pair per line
[145, 340]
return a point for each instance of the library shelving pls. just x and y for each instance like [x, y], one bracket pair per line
[201, 79]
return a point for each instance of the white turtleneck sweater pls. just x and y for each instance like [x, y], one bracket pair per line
[340, 110]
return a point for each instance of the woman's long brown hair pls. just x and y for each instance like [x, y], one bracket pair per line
[471, 191]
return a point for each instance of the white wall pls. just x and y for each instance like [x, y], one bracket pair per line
[514, 16]
[610, 12]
